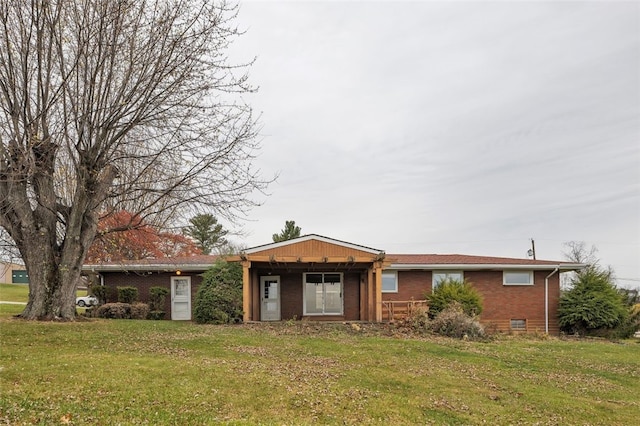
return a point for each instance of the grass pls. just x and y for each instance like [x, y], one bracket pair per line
[127, 372]
[14, 292]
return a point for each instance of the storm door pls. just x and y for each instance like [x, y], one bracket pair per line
[270, 298]
[180, 298]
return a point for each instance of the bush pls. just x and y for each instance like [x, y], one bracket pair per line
[592, 306]
[450, 291]
[99, 291]
[127, 294]
[139, 311]
[219, 297]
[453, 322]
[630, 325]
[417, 320]
[113, 311]
[157, 296]
[122, 311]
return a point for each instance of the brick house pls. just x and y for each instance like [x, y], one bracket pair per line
[319, 278]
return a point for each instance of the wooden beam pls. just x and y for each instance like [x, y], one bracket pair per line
[247, 309]
[378, 286]
[370, 293]
[363, 296]
[302, 259]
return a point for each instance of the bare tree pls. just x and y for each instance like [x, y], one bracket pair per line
[110, 105]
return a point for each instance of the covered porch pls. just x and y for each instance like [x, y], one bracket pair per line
[312, 277]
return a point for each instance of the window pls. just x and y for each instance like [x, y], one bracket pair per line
[390, 282]
[519, 324]
[517, 277]
[440, 276]
[322, 293]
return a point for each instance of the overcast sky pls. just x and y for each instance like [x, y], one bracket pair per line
[450, 127]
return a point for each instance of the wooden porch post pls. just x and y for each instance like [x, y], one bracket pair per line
[378, 287]
[247, 309]
[370, 293]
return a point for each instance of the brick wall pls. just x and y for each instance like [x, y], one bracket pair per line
[501, 303]
[411, 285]
[504, 303]
[143, 282]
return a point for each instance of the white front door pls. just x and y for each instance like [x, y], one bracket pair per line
[180, 298]
[270, 298]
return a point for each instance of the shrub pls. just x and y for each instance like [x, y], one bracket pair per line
[122, 311]
[453, 322]
[450, 291]
[157, 296]
[113, 311]
[99, 291]
[592, 306]
[127, 294]
[417, 320]
[630, 325]
[219, 297]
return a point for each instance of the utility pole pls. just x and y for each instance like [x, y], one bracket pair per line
[532, 251]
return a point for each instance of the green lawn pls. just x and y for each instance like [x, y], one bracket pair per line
[14, 292]
[20, 293]
[177, 373]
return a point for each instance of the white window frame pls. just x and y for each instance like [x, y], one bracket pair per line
[395, 277]
[446, 273]
[304, 295]
[522, 321]
[505, 274]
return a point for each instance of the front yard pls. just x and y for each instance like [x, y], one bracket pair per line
[161, 372]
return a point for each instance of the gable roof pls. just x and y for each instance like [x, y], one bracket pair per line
[313, 237]
[467, 262]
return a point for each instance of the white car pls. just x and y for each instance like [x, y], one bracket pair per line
[86, 301]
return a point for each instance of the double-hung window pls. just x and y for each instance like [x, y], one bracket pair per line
[390, 282]
[323, 293]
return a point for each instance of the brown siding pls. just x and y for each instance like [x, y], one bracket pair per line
[313, 248]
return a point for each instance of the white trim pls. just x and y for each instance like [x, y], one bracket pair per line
[154, 267]
[481, 267]
[530, 273]
[395, 274]
[309, 238]
[187, 299]
[264, 278]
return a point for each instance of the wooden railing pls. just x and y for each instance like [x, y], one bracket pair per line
[393, 310]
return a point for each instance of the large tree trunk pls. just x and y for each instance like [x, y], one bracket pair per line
[52, 289]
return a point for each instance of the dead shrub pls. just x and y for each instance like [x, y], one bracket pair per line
[417, 320]
[453, 322]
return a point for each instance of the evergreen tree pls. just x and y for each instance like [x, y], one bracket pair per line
[289, 232]
[592, 305]
[207, 232]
